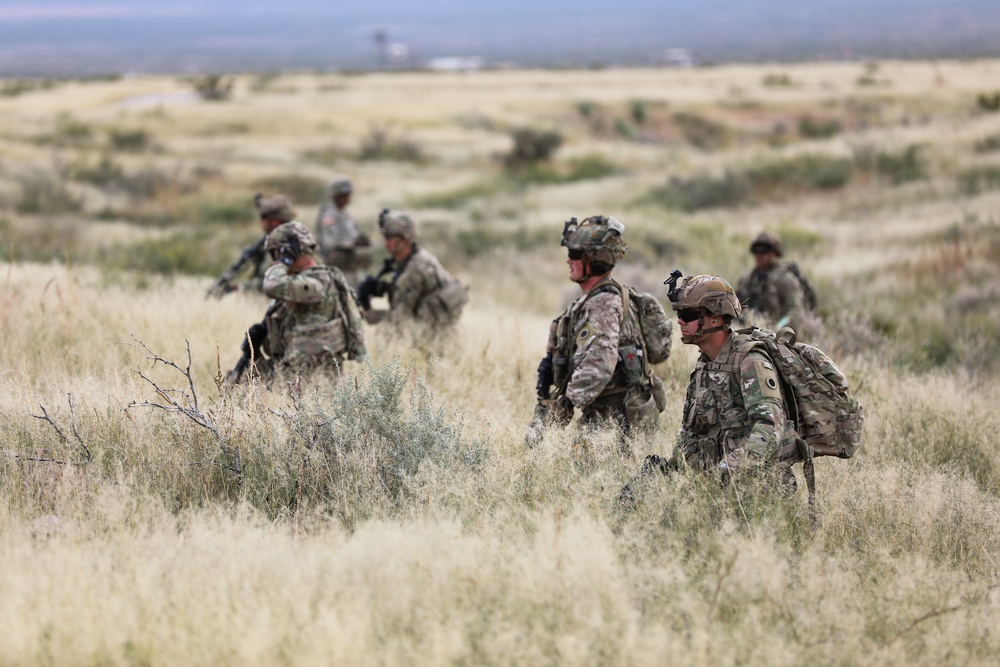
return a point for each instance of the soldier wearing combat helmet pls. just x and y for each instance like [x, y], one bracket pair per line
[774, 288]
[273, 210]
[734, 411]
[340, 242]
[419, 289]
[313, 323]
[594, 356]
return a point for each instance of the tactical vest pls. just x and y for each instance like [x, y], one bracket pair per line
[300, 334]
[715, 415]
[631, 369]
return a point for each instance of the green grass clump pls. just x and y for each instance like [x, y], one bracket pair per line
[810, 171]
[988, 144]
[454, 199]
[903, 166]
[129, 140]
[976, 180]
[44, 193]
[301, 188]
[704, 191]
[811, 127]
[701, 132]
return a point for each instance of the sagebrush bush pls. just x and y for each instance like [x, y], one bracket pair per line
[302, 188]
[975, 180]
[701, 132]
[45, 193]
[381, 144]
[704, 191]
[531, 147]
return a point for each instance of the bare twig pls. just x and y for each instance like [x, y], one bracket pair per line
[179, 401]
[76, 434]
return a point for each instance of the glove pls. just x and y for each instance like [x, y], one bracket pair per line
[287, 254]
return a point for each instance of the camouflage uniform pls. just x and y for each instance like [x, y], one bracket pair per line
[316, 323]
[340, 243]
[734, 410]
[587, 343]
[419, 289]
[775, 294]
[735, 405]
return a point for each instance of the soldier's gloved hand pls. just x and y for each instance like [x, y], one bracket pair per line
[287, 254]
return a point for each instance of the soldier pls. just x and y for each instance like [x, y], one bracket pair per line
[595, 352]
[313, 322]
[417, 286]
[774, 288]
[340, 242]
[273, 211]
[734, 411]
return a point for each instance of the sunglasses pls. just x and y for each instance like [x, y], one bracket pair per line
[688, 314]
[575, 254]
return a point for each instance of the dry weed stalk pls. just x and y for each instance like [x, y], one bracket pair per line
[52, 422]
[183, 402]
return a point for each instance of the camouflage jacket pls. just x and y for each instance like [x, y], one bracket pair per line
[335, 229]
[413, 280]
[584, 344]
[735, 403]
[317, 322]
[775, 293]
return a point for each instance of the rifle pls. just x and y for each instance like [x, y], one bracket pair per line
[223, 285]
[373, 286]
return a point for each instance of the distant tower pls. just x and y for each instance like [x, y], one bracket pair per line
[381, 40]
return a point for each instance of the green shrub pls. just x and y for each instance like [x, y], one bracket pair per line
[132, 141]
[457, 198]
[380, 144]
[531, 147]
[988, 101]
[701, 132]
[638, 111]
[586, 109]
[590, 167]
[989, 144]
[104, 173]
[17, 87]
[703, 191]
[213, 87]
[486, 238]
[190, 251]
[899, 167]
[300, 187]
[809, 171]
[47, 194]
[979, 179]
[817, 128]
[623, 129]
[776, 80]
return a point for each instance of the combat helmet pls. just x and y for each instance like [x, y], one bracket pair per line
[398, 223]
[290, 235]
[711, 294]
[599, 237]
[339, 186]
[705, 295]
[275, 206]
[767, 241]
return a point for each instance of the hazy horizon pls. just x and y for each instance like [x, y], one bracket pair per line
[52, 37]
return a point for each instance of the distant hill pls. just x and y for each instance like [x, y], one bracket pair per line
[53, 37]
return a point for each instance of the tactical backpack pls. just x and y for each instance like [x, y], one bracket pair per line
[827, 417]
[808, 291]
[654, 325]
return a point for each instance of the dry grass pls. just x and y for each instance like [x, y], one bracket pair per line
[442, 540]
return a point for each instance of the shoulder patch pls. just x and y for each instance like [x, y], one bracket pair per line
[767, 378]
[586, 333]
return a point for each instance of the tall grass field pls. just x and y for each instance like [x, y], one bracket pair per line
[151, 515]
